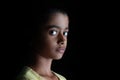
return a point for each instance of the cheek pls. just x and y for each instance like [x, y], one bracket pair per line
[49, 41]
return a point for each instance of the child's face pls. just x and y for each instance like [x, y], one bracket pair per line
[55, 36]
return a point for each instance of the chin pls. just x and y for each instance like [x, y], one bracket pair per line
[57, 58]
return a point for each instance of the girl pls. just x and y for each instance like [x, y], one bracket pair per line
[49, 41]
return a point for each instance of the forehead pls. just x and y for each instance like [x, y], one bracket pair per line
[58, 19]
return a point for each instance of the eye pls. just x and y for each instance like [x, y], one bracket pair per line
[65, 33]
[53, 32]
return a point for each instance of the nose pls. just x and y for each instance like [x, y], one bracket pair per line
[61, 39]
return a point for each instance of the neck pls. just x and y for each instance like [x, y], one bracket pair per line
[42, 65]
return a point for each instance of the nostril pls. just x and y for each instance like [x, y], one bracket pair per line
[62, 43]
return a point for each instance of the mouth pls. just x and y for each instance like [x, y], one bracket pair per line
[60, 50]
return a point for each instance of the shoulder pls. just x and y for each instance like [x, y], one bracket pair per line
[60, 76]
[28, 74]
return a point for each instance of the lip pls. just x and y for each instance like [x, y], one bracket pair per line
[61, 50]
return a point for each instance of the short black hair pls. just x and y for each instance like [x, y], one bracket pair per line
[41, 17]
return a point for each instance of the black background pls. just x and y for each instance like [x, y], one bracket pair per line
[87, 55]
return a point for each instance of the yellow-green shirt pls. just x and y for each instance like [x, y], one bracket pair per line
[29, 74]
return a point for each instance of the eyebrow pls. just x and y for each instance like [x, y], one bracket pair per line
[54, 26]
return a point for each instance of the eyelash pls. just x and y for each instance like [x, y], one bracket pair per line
[55, 32]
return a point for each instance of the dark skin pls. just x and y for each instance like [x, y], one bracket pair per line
[54, 37]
